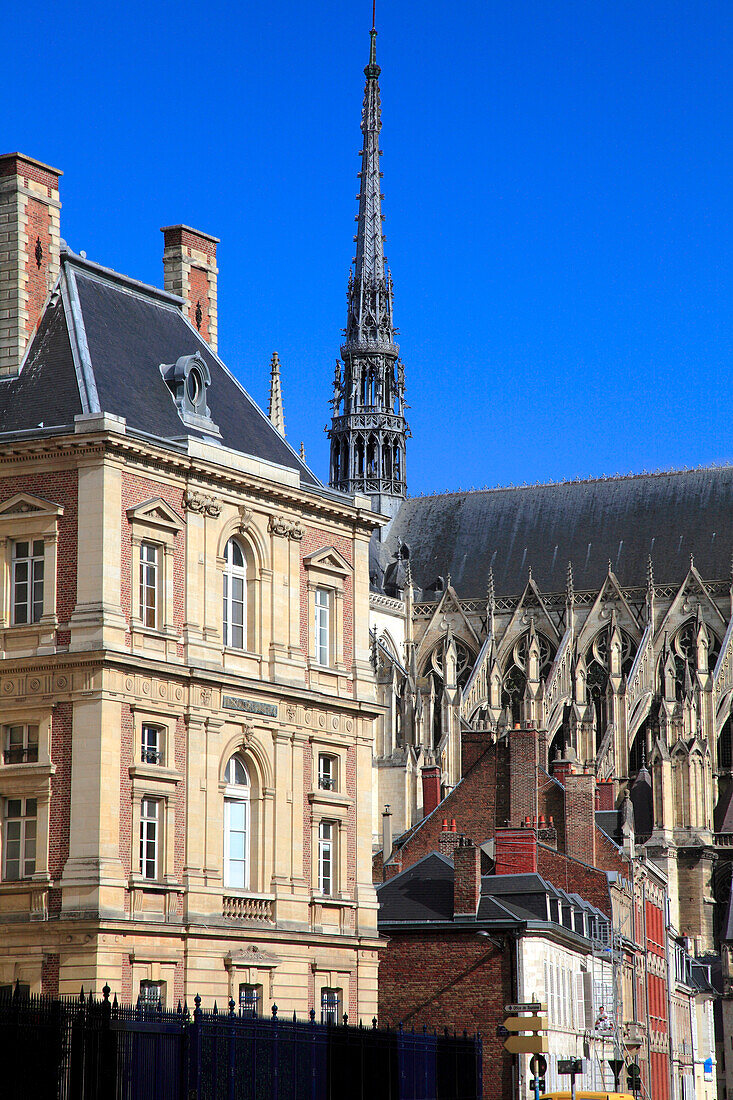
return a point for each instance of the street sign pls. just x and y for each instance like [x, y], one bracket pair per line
[537, 1085]
[527, 1044]
[538, 1065]
[616, 1064]
[529, 1006]
[526, 1023]
[570, 1065]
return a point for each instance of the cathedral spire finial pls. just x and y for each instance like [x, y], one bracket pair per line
[275, 410]
[570, 584]
[368, 430]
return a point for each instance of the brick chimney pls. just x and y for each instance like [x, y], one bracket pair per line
[605, 795]
[580, 819]
[29, 251]
[189, 270]
[449, 838]
[430, 788]
[523, 760]
[515, 851]
[467, 878]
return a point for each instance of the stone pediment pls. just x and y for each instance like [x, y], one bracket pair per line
[23, 504]
[328, 559]
[156, 513]
[261, 960]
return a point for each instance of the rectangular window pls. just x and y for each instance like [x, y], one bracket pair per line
[149, 837]
[323, 626]
[152, 993]
[27, 581]
[19, 838]
[330, 1006]
[149, 570]
[236, 871]
[21, 745]
[151, 748]
[326, 772]
[250, 999]
[325, 858]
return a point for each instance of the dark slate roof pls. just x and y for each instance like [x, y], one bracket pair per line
[46, 392]
[621, 519]
[610, 823]
[105, 355]
[422, 892]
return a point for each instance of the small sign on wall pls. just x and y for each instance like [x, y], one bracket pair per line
[248, 706]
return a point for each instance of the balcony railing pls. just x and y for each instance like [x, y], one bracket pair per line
[17, 754]
[242, 908]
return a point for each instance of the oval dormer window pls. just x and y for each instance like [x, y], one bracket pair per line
[194, 386]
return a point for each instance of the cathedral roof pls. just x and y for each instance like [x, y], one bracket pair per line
[623, 520]
[99, 347]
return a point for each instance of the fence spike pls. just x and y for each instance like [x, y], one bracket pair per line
[81, 995]
[185, 1007]
[106, 991]
[374, 1022]
[179, 1010]
[216, 1010]
[115, 1002]
[295, 1020]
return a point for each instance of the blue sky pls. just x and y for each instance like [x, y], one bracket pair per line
[558, 193]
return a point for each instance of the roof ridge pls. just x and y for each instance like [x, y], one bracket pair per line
[90, 267]
[573, 481]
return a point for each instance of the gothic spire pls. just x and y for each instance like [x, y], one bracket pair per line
[275, 410]
[368, 428]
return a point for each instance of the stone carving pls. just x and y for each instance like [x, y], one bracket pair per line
[201, 503]
[245, 518]
[297, 530]
[278, 525]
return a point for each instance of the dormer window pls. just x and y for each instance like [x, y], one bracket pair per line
[188, 379]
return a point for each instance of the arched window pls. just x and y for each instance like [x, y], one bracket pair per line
[234, 619]
[236, 825]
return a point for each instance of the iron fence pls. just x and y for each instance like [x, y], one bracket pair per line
[98, 1049]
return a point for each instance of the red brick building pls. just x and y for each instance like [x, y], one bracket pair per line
[533, 868]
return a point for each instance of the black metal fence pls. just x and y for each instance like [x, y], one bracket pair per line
[92, 1049]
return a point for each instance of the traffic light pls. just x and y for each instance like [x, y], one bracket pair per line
[633, 1078]
[533, 1043]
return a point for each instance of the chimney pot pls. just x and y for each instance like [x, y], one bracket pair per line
[453, 825]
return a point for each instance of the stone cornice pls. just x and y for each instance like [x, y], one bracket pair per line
[204, 473]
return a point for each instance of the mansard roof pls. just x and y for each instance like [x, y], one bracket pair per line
[622, 519]
[99, 347]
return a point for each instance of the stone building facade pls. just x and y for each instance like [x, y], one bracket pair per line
[186, 698]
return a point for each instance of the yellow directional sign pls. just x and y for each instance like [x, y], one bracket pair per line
[527, 1044]
[526, 1023]
[533, 1043]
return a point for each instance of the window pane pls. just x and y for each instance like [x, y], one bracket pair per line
[21, 550]
[38, 548]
